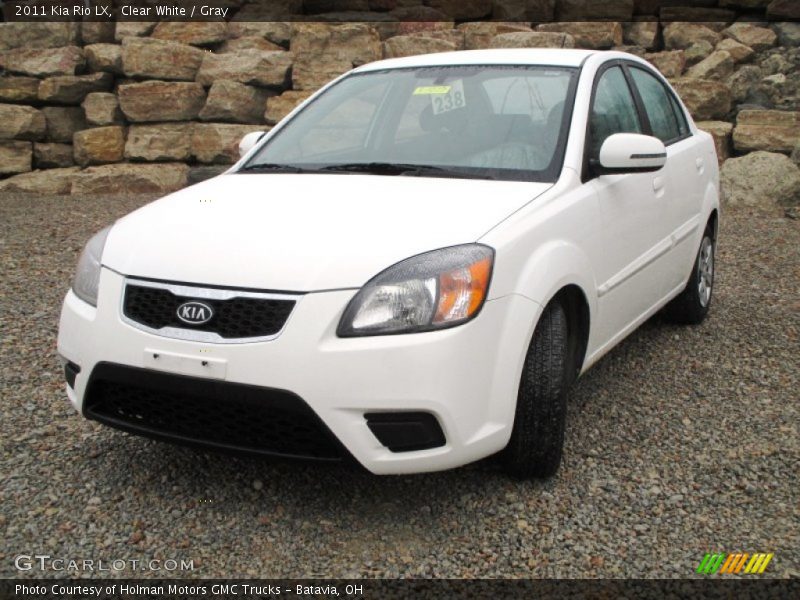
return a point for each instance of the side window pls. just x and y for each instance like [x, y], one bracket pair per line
[613, 110]
[683, 126]
[657, 103]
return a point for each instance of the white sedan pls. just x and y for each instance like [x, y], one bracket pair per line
[410, 270]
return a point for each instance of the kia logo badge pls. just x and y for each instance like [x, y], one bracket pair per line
[195, 313]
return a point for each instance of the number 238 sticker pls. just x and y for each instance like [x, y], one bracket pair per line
[444, 98]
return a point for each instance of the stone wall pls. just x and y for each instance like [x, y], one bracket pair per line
[147, 107]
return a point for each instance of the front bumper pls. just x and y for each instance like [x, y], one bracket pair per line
[467, 376]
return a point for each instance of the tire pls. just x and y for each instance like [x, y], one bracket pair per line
[537, 438]
[690, 307]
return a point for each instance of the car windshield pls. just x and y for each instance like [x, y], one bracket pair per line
[493, 122]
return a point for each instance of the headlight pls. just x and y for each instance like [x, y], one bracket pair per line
[429, 291]
[87, 275]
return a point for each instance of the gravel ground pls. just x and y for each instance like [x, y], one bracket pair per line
[681, 441]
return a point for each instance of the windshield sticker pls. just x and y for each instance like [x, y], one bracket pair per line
[427, 90]
[452, 99]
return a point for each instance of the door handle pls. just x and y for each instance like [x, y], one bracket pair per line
[658, 184]
[699, 164]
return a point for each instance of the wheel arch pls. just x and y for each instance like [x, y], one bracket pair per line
[573, 299]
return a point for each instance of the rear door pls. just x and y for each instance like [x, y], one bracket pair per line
[684, 171]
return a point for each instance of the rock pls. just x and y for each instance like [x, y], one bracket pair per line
[746, 4]
[104, 57]
[37, 34]
[721, 132]
[640, 33]
[151, 101]
[788, 33]
[780, 10]
[418, 20]
[165, 142]
[63, 122]
[72, 89]
[21, 123]
[233, 102]
[597, 35]
[711, 17]
[739, 52]
[539, 11]
[761, 180]
[19, 89]
[45, 62]
[196, 33]
[99, 145]
[796, 154]
[462, 9]
[97, 32]
[582, 10]
[277, 32]
[779, 90]
[410, 45]
[217, 143]
[51, 155]
[681, 35]
[717, 65]
[280, 106]
[777, 63]
[635, 50]
[758, 38]
[201, 173]
[102, 108]
[770, 130]
[130, 179]
[15, 157]
[743, 81]
[324, 51]
[698, 52]
[670, 63]
[160, 59]
[706, 100]
[250, 42]
[533, 39]
[479, 35]
[48, 182]
[126, 29]
[268, 69]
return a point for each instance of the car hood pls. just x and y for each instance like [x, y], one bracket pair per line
[296, 232]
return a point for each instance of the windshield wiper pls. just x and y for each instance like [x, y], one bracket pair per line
[273, 168]
[384, 168]
[387, 168]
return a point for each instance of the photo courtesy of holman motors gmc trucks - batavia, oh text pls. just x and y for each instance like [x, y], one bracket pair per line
[409, 271]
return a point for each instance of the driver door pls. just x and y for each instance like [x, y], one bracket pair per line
[632, 213]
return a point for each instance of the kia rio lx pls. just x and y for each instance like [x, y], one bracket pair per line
[410, 270]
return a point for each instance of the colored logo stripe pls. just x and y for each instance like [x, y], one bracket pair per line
[733, 563]
[758, 563]
[711, 563]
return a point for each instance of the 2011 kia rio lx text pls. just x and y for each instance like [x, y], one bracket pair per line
[410, 270]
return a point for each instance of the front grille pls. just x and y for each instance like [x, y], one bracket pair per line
[235, 317]
[216, 414]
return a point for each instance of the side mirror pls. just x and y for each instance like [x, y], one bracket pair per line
[631, 153]
[250, 140]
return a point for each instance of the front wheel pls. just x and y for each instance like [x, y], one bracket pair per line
[537, 439]
[690, 307]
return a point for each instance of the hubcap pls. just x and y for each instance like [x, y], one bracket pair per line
[705, 271]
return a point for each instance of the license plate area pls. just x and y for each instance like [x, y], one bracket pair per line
[185, 364]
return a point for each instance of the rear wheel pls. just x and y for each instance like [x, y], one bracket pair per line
[690, 307]
[537, 439]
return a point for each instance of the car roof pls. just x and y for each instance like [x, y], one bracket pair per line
[556, 57]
